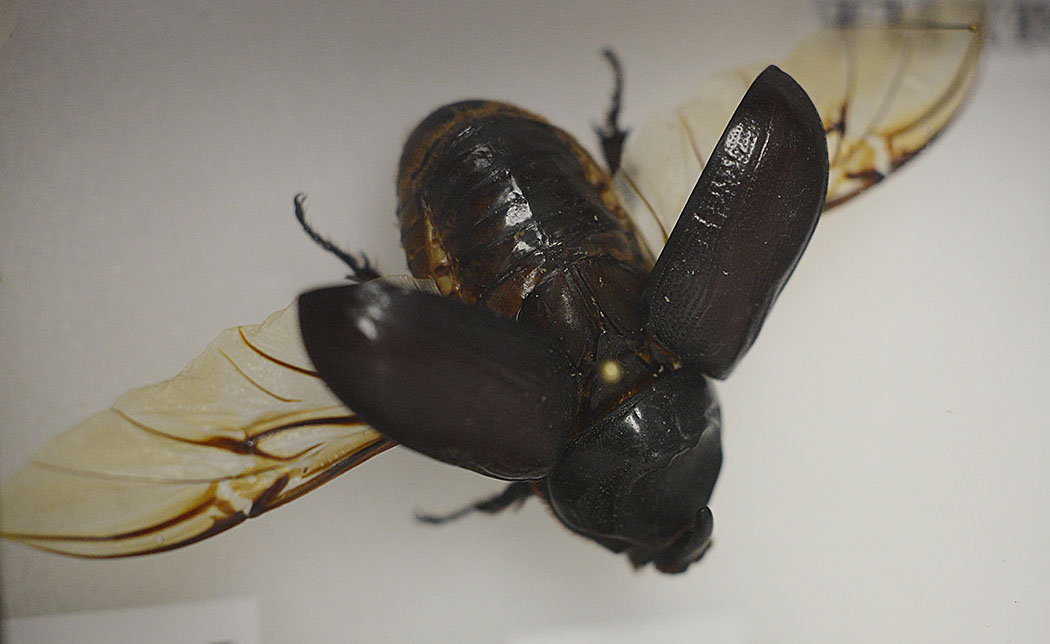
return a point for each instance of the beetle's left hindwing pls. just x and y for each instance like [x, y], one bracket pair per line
[247, 426]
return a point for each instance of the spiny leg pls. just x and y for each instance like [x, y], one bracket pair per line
[611, 134]
[513, 494]
[360, 270]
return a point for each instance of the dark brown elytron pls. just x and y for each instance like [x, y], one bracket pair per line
[561, 357]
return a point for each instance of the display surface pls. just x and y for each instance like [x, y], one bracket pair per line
[132, 232]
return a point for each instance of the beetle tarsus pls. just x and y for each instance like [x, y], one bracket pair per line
[361, 270]
[514, 494]
[611, 134]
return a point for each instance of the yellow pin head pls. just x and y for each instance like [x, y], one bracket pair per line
[610, 371]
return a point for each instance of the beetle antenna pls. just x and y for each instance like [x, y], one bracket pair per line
[513, 494]
[360, 270]
[611, 134]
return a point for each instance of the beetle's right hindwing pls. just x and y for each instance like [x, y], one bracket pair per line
[883, 91]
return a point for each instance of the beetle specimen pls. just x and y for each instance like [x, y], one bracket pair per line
[595, 396]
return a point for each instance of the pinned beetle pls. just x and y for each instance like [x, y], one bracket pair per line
[540, 342]
[510, 216]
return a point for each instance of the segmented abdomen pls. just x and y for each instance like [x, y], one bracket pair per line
[494, 202]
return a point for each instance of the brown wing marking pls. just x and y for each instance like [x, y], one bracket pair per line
[927, 67]
[213, 508]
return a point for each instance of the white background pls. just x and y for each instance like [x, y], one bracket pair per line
[886, 439]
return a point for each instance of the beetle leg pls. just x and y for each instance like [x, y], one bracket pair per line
[611, 134]
[514, 494]
[361, 270]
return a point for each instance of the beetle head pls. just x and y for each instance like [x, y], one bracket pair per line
[638, 479]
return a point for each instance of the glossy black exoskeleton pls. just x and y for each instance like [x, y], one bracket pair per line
[561, 357]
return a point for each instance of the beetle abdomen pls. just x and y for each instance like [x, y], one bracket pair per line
[494, 201]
